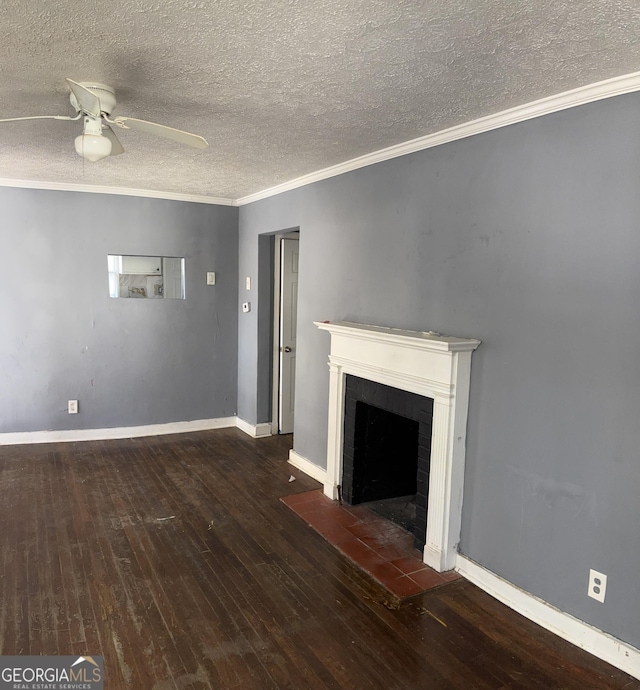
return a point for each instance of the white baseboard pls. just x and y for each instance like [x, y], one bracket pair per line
[23, 437]
[595, 641]
[254, 430]
[314, 471]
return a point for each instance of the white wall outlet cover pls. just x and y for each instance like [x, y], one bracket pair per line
[246, 307]
[597, 585]
[247, 283]
[73, 407]
[211, 278]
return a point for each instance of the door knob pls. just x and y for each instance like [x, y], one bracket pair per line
[287, 349]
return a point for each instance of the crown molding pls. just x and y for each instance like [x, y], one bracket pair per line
[617, 86]
[608, 88]
[123, 191]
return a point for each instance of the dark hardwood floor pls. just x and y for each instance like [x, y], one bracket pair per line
[174, 558]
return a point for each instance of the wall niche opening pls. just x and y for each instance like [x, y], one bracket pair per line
[386, 452]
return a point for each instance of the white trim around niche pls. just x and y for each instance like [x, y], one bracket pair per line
[595, 641]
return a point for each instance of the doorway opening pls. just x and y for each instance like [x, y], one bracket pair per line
[285, 311]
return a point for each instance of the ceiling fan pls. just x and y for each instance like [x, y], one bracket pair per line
[94, 103]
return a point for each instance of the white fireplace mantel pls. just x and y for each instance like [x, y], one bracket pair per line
[428, 364]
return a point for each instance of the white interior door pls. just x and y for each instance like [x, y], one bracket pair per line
[288, 321]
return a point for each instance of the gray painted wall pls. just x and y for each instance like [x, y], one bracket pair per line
[527, 238]
[128, 362]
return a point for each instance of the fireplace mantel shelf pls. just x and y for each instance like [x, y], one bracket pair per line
[425, 363]
[427, 340]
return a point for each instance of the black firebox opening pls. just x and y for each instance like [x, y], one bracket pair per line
[385, 455]
[386, 452]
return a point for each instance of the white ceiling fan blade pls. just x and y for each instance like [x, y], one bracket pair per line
[41, 117]
[161, 131]
[116, 146]
[87, 100]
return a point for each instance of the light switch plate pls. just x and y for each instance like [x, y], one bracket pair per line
[247, 283]
[211, 278]
[246, 307]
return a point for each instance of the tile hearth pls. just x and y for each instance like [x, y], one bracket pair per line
[379, 547]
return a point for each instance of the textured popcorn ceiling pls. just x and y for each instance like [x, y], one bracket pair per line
[281, 88]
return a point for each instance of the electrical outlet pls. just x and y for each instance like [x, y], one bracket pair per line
[246, 307]
[211, 278]
[597, 585]
[73, 407]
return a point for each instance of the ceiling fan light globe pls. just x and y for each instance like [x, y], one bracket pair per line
[93, 147]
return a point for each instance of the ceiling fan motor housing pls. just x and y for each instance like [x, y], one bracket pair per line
[106, 94]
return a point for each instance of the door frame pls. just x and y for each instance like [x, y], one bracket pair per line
[277, 268]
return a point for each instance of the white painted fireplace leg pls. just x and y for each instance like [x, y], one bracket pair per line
[336, 426]
[446, 476]
[438, 513]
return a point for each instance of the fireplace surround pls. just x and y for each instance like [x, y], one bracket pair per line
[430, 365]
